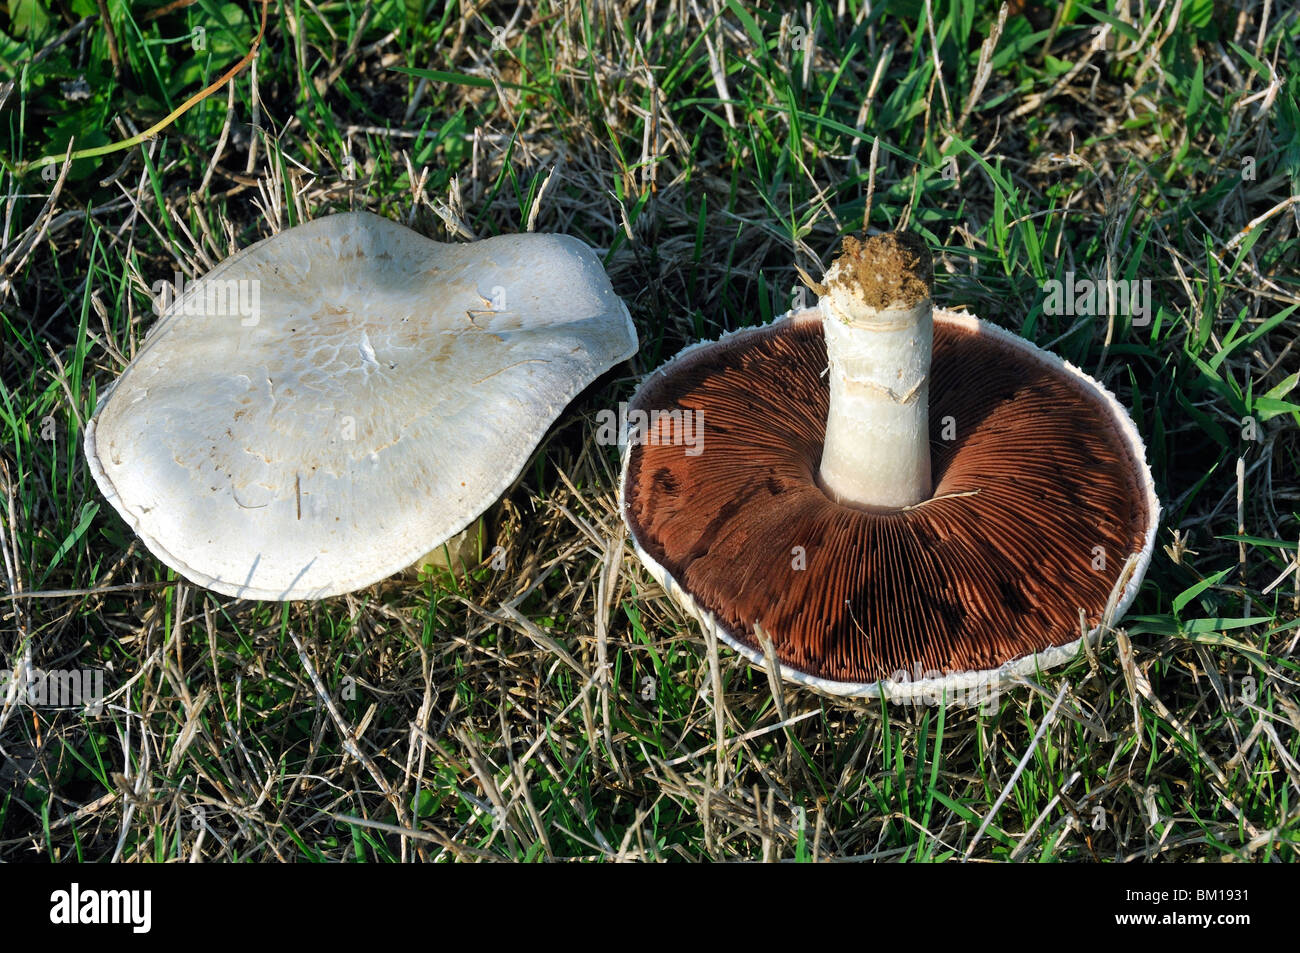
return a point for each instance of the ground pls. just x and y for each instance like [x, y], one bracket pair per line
[553, 703]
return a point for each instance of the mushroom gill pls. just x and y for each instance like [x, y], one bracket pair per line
[1036, 505]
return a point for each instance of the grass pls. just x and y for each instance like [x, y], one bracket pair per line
[709, 151]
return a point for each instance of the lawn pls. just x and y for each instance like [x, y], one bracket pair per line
[551, 703]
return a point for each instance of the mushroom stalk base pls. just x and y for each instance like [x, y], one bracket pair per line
[877, 450]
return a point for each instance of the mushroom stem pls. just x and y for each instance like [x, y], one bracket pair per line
[878, 322]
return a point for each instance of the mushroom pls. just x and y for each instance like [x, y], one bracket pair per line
[952, 508]
[330, 404]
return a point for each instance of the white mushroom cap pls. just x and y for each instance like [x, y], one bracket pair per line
[361, 394]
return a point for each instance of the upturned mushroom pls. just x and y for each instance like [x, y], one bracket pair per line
[330, 404]
[904, 501]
